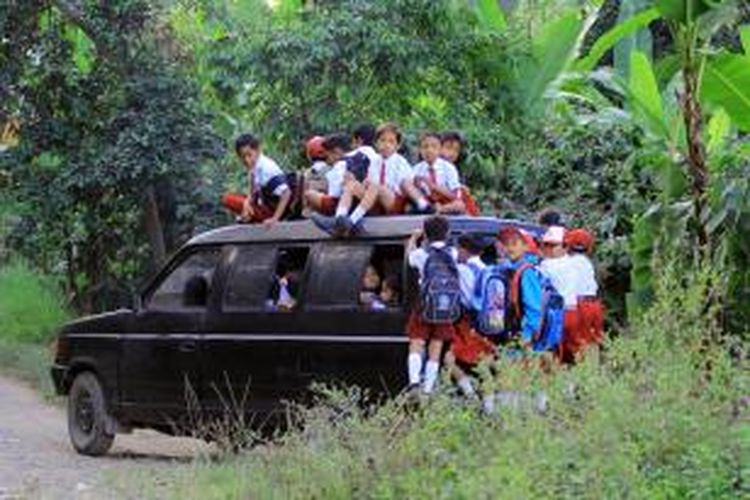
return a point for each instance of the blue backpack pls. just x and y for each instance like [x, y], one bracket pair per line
[441, 290]
[550, 335]
[489, 303]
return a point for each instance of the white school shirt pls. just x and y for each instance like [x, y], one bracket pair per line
[393, 171]
[418, 257]
[375, 159]
[446, 174]
[585, 283]
[335, 176]
[265, 170]
[468, 278]
[563, 274]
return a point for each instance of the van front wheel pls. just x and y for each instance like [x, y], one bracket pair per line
[87, 416]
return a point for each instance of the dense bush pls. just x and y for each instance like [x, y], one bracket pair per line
[31, 305]
[660, 417]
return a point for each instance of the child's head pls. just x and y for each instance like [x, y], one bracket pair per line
[247, 147]
[469, 245]
[436, 228]
[579, 241]
[314, 148]
[391, 290]
[452, 146]
[371, 279]
[514, 243]
[551, 216]
[552, 242]
[363, 135]
[429, 147]
[388, 139]
[335, 147]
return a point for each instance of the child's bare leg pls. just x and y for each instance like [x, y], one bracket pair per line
[347, 197]
[415, 195]
[415, 361]
[456, 207]
[313, 200]
[367, 194]
[432, 367]
[385, 197]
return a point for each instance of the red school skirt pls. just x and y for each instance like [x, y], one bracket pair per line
[591, 311]
[417, 328]
[235, 202]
[468, 346]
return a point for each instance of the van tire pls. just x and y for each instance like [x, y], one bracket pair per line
[87, 416]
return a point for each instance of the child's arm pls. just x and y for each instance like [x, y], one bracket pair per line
[413, 243]
[281, 207]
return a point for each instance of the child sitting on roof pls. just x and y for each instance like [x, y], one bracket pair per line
[452, 148]
[269, 194]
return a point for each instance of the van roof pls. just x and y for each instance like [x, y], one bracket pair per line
[374, 228]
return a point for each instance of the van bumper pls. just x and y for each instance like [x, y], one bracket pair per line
[60, 378]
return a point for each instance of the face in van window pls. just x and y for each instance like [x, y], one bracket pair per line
[371, 279]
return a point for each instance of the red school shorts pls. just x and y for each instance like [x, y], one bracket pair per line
[591, 312]
[573, 342]
[398, 208]
[470, 204]
[235, 202]
[417, 328]
[468, 346]
[328, 205]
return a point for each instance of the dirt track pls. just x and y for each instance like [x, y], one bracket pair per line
[37, 461]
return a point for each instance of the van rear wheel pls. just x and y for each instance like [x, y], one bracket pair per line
[87, 416]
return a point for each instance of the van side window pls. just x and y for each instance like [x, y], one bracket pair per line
[250, 277]
[382, 284]
[336, 275]
[287, 283]
[189, 284]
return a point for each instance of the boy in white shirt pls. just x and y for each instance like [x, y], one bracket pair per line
[421, 333]
[580, 244]
[437, 178]
[269, 193]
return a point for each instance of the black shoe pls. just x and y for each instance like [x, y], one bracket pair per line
[342, 226]
[327, 224]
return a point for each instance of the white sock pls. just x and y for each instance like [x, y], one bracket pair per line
[467, 388]
[341, 211]
[357, 215]
[422, 203]
[414, 363]
[430, 376]
[488, 403]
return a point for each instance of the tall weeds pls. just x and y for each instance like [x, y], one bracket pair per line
[660, 414]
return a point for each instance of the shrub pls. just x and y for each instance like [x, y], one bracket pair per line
[31, 305]
[658, 417]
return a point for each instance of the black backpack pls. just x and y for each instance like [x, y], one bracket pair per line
[441, 290]
[357, 164]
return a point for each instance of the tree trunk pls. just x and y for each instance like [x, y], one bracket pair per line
[696, 157]
[153, 226]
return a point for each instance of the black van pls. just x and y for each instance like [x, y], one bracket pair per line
[240, 308]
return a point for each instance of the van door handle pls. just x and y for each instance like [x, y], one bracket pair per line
[188, 346]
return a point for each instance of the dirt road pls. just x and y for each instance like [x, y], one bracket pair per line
[37, 461]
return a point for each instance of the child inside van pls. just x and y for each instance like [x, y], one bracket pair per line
[269, 193]
[390, 292]
[437, 178]
[370, 292]
[435, 263]
[452, 148]
[579, 244]
[395, 179]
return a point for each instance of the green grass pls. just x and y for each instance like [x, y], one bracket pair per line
[31, 309]
[31, 306]
[651, 420]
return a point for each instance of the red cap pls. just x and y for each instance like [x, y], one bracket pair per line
[510, 232]
[314, 147]
[580, 240]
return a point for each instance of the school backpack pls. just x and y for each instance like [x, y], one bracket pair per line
[550, 334]
[489, 302]
[357, 164]
[441, 290]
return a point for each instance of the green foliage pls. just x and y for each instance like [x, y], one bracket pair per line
[681, 436]
[31, 305]
[726, 84]
[639, 40]
[491, 15]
